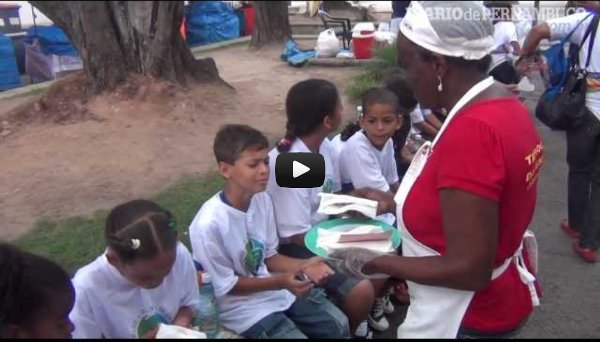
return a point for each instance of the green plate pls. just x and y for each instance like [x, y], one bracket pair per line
[345, 224]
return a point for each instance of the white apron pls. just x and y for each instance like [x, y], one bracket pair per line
[435, 311]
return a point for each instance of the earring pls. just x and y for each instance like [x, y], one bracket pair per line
[440, 86]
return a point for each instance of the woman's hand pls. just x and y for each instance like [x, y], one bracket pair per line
[356, 261]
[385, 200]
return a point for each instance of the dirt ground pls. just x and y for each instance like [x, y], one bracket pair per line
[135, 148]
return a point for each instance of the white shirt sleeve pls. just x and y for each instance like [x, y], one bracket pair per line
[362, 168]
[390, 169]
[271, 238]
[210, 251]
[82, 316]
[416, 116]
[562, 26]
[189, 276]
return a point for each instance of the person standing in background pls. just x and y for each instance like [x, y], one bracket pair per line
[398, 12]
[583, 140]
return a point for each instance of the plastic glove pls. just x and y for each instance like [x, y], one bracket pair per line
[353, 260]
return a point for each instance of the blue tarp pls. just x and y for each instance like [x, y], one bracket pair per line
[9, 71]
[211, 22]
[52, 40]
[294, 56]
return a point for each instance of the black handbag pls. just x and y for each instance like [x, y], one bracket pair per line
[564, 108]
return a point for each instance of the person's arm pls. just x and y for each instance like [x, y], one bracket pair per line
[516, 47]
[287, 281]
[315, 266]
[426, 128]
[433, 121]
[533, 39]
[184, 317]
[470, 229]
[82, 315]
[394, 187]
[283, 263]
[406, 155]
[187, 283]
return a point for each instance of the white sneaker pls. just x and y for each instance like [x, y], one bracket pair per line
[388, 307]
[377, 320]
[363, 331]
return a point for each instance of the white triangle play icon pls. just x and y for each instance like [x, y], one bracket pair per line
[298, 169]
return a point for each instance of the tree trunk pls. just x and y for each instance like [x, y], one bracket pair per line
[115, 38]
[272, 24]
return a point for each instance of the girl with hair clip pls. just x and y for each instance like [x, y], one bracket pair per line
[36, 296]
[313, 109]
[144, 278]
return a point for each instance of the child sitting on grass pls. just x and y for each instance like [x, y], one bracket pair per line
[144, 278]
[260, 293]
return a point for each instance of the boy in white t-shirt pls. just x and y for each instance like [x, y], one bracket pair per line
[145, 277]
[260, 293]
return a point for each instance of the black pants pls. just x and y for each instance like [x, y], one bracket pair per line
[505, 73]
[583, 158]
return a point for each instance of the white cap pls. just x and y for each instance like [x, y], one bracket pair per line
[451, 28]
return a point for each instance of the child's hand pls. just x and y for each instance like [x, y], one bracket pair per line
[385, 200]
[317, 270]
[299, 288]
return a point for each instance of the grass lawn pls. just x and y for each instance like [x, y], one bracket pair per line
[75, 241]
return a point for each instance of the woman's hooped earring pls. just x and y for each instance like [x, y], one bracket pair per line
[440, 86]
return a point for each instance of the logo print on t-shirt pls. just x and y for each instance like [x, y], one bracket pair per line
[255, 254]
[149, 323]
[328, 185]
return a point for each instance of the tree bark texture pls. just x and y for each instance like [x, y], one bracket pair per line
[115, 38]
[272, 24]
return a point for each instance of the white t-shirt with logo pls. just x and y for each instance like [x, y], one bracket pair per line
[559, 29]
[107, 305]
[230, 244]
[505, 32]
[296, 209]
[363, 165]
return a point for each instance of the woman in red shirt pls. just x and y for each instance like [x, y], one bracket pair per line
[467, 199]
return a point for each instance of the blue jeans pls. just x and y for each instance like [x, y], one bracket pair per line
[311, 317]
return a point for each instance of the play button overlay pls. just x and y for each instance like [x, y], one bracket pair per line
[300, 170]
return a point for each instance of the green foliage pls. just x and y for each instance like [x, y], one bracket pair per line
[373, 74]
[76, 241]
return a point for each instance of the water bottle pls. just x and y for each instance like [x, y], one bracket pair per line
[416, 142]
[208, 318]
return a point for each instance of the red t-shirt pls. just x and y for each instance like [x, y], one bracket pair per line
[490, 149]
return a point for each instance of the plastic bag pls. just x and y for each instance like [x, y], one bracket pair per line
[328, 44]
[173, 331]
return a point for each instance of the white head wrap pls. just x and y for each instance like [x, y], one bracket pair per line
[450, 28]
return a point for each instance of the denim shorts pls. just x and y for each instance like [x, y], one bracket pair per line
[311, 317]
[337, 286]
